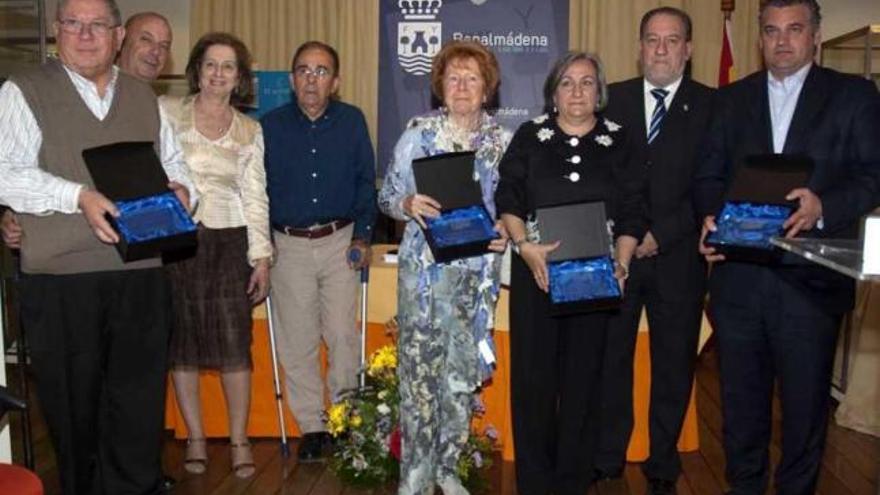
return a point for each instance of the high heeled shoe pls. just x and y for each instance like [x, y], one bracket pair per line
[242, 459]
[196, 463]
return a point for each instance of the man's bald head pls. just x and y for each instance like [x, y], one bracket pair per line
[146, 46]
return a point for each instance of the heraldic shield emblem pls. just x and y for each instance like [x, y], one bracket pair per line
[418, 35]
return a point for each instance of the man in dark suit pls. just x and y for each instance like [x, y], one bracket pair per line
[670, 114]
[780, 321]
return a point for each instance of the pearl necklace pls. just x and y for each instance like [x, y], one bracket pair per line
[460, 136]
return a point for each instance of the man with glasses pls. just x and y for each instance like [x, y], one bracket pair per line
[98, 327]
[144, 53]
[322, 205]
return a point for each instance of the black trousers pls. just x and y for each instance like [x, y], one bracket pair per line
[98, 349]
[774, 331]
[674, 321]
[554, 386]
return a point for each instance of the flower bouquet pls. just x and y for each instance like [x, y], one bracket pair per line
[365, 424]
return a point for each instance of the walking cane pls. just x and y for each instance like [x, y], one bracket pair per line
[279, 399]
[354, 256]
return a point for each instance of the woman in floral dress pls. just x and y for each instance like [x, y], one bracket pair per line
[445, 310]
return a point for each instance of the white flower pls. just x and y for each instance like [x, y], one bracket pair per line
[383, 409]
[359, 463]
[382, 394]
[604, 140]
[612, 126]
[545, 134]
[540, 119]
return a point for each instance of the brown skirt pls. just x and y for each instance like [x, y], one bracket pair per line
[211, 310]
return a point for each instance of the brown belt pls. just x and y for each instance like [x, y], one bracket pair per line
[314, 232]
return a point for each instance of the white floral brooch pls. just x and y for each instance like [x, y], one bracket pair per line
[612, 126]
[544, 134]
[605, 140]
[540, 119]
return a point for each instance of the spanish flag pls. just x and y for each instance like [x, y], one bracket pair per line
[726, 72]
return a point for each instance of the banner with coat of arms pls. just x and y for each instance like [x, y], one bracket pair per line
[527, 36]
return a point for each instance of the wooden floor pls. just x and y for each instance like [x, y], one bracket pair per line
[850, 465]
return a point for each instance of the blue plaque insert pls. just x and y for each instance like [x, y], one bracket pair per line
[583, 280]
[749, 225]
[460, 226]
[152, 217]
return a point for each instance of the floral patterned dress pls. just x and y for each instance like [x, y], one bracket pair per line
[445, 310]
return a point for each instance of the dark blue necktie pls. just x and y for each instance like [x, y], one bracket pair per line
[659, 113]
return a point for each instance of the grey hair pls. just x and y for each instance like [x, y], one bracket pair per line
[813, 5]
[111, 6]
[562, 65]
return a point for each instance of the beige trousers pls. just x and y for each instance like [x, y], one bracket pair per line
[314, 297]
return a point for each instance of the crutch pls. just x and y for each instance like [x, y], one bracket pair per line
[279, 399]
[354, 256]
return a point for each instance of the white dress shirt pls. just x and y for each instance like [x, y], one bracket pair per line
[783, 101]
[27, 188]
[651, 102]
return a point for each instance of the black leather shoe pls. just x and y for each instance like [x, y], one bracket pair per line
[312, 445]
[167, 483]
[660, 487]
[605, 474]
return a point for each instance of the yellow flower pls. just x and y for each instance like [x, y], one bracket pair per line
[336, 418]
[356, 421]
[383, 360]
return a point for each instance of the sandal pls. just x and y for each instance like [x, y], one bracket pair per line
[242, 463]
[193, 462]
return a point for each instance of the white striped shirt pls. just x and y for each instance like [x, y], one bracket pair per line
[27, 188]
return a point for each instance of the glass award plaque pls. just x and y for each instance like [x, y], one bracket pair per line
[755, 207]
[464, 227]
[589, 279]
[749, 225]
[581, 269]
[152, 220]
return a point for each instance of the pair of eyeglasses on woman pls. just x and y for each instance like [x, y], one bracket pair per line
[76, 26]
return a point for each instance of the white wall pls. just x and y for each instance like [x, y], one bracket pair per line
[842, 16]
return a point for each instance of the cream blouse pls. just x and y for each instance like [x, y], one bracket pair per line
[228, 173]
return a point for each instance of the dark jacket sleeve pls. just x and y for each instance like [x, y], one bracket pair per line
[683, 221]
[511, 195]
[859, 193]
[365, 189]
[630, 186]
[713, 165]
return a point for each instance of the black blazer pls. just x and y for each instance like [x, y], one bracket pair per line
[837, 124]
[669, 162]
